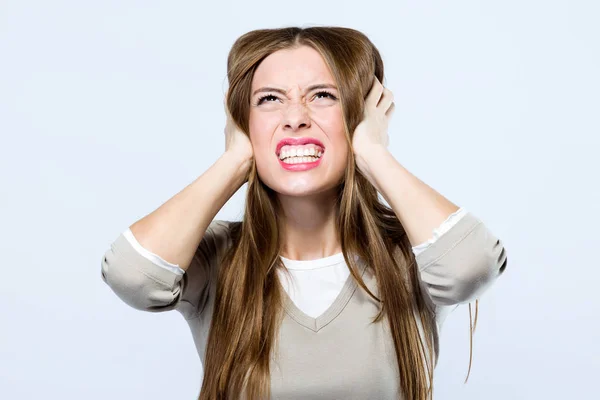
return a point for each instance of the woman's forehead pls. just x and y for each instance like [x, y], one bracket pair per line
[294, 69]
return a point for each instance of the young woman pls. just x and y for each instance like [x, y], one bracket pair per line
[321, 291]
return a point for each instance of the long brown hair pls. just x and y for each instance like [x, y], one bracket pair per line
[248, 306]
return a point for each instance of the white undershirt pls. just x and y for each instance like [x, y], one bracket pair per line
[316, 283]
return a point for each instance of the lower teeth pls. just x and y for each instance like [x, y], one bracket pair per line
[298, 160]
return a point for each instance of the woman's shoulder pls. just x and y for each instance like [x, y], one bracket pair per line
[222, 229]
[219, 236]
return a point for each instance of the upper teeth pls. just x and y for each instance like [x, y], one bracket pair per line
[300, 151]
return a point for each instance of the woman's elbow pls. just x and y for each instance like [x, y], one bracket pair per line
[134, 286]
[481, 273]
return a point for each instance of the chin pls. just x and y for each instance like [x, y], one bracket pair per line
[302, 188]
[297, 184]
[301, 191]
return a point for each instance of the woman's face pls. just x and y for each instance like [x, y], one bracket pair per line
[290, 109]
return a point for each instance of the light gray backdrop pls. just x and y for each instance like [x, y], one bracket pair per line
[109, 108]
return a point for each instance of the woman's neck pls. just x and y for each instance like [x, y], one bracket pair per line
[308, 227]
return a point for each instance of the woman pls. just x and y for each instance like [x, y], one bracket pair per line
[321, 291]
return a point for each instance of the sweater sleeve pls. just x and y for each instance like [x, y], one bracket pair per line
[440, 230]
[462, 263]
[143, 285]
[155, 258]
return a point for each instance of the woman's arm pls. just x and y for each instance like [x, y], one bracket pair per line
[174, 230]
[145, 285]
[419, 208]
[181, 232]
[464, 261]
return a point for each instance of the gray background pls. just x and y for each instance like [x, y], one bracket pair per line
[107, 109]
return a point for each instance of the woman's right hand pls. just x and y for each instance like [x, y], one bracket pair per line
[236, 141]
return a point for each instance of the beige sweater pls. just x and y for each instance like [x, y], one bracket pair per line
[338, 354]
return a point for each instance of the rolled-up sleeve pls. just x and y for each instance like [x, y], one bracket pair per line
[462, 264]
[138, 281]
[146, 285]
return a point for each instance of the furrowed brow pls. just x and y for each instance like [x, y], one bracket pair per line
[308, 89]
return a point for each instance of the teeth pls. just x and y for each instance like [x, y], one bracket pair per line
[297, 160]
[300, 152]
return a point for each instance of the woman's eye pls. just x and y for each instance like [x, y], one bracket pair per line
[260, 100]
[326, 94]
[270, 96]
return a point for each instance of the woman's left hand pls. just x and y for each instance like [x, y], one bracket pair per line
[372, 132]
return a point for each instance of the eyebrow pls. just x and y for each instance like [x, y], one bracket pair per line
[308, 89]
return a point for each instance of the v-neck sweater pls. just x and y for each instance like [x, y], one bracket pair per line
[315, 283]
[338, 354]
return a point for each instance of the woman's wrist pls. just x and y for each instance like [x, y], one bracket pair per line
[242, 163]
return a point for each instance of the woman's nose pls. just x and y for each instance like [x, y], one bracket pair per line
[296, 116]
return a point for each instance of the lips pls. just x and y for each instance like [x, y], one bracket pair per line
[297, 142]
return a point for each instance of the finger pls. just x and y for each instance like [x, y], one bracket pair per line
[387, 99]
[374, 93]
[390, 110]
